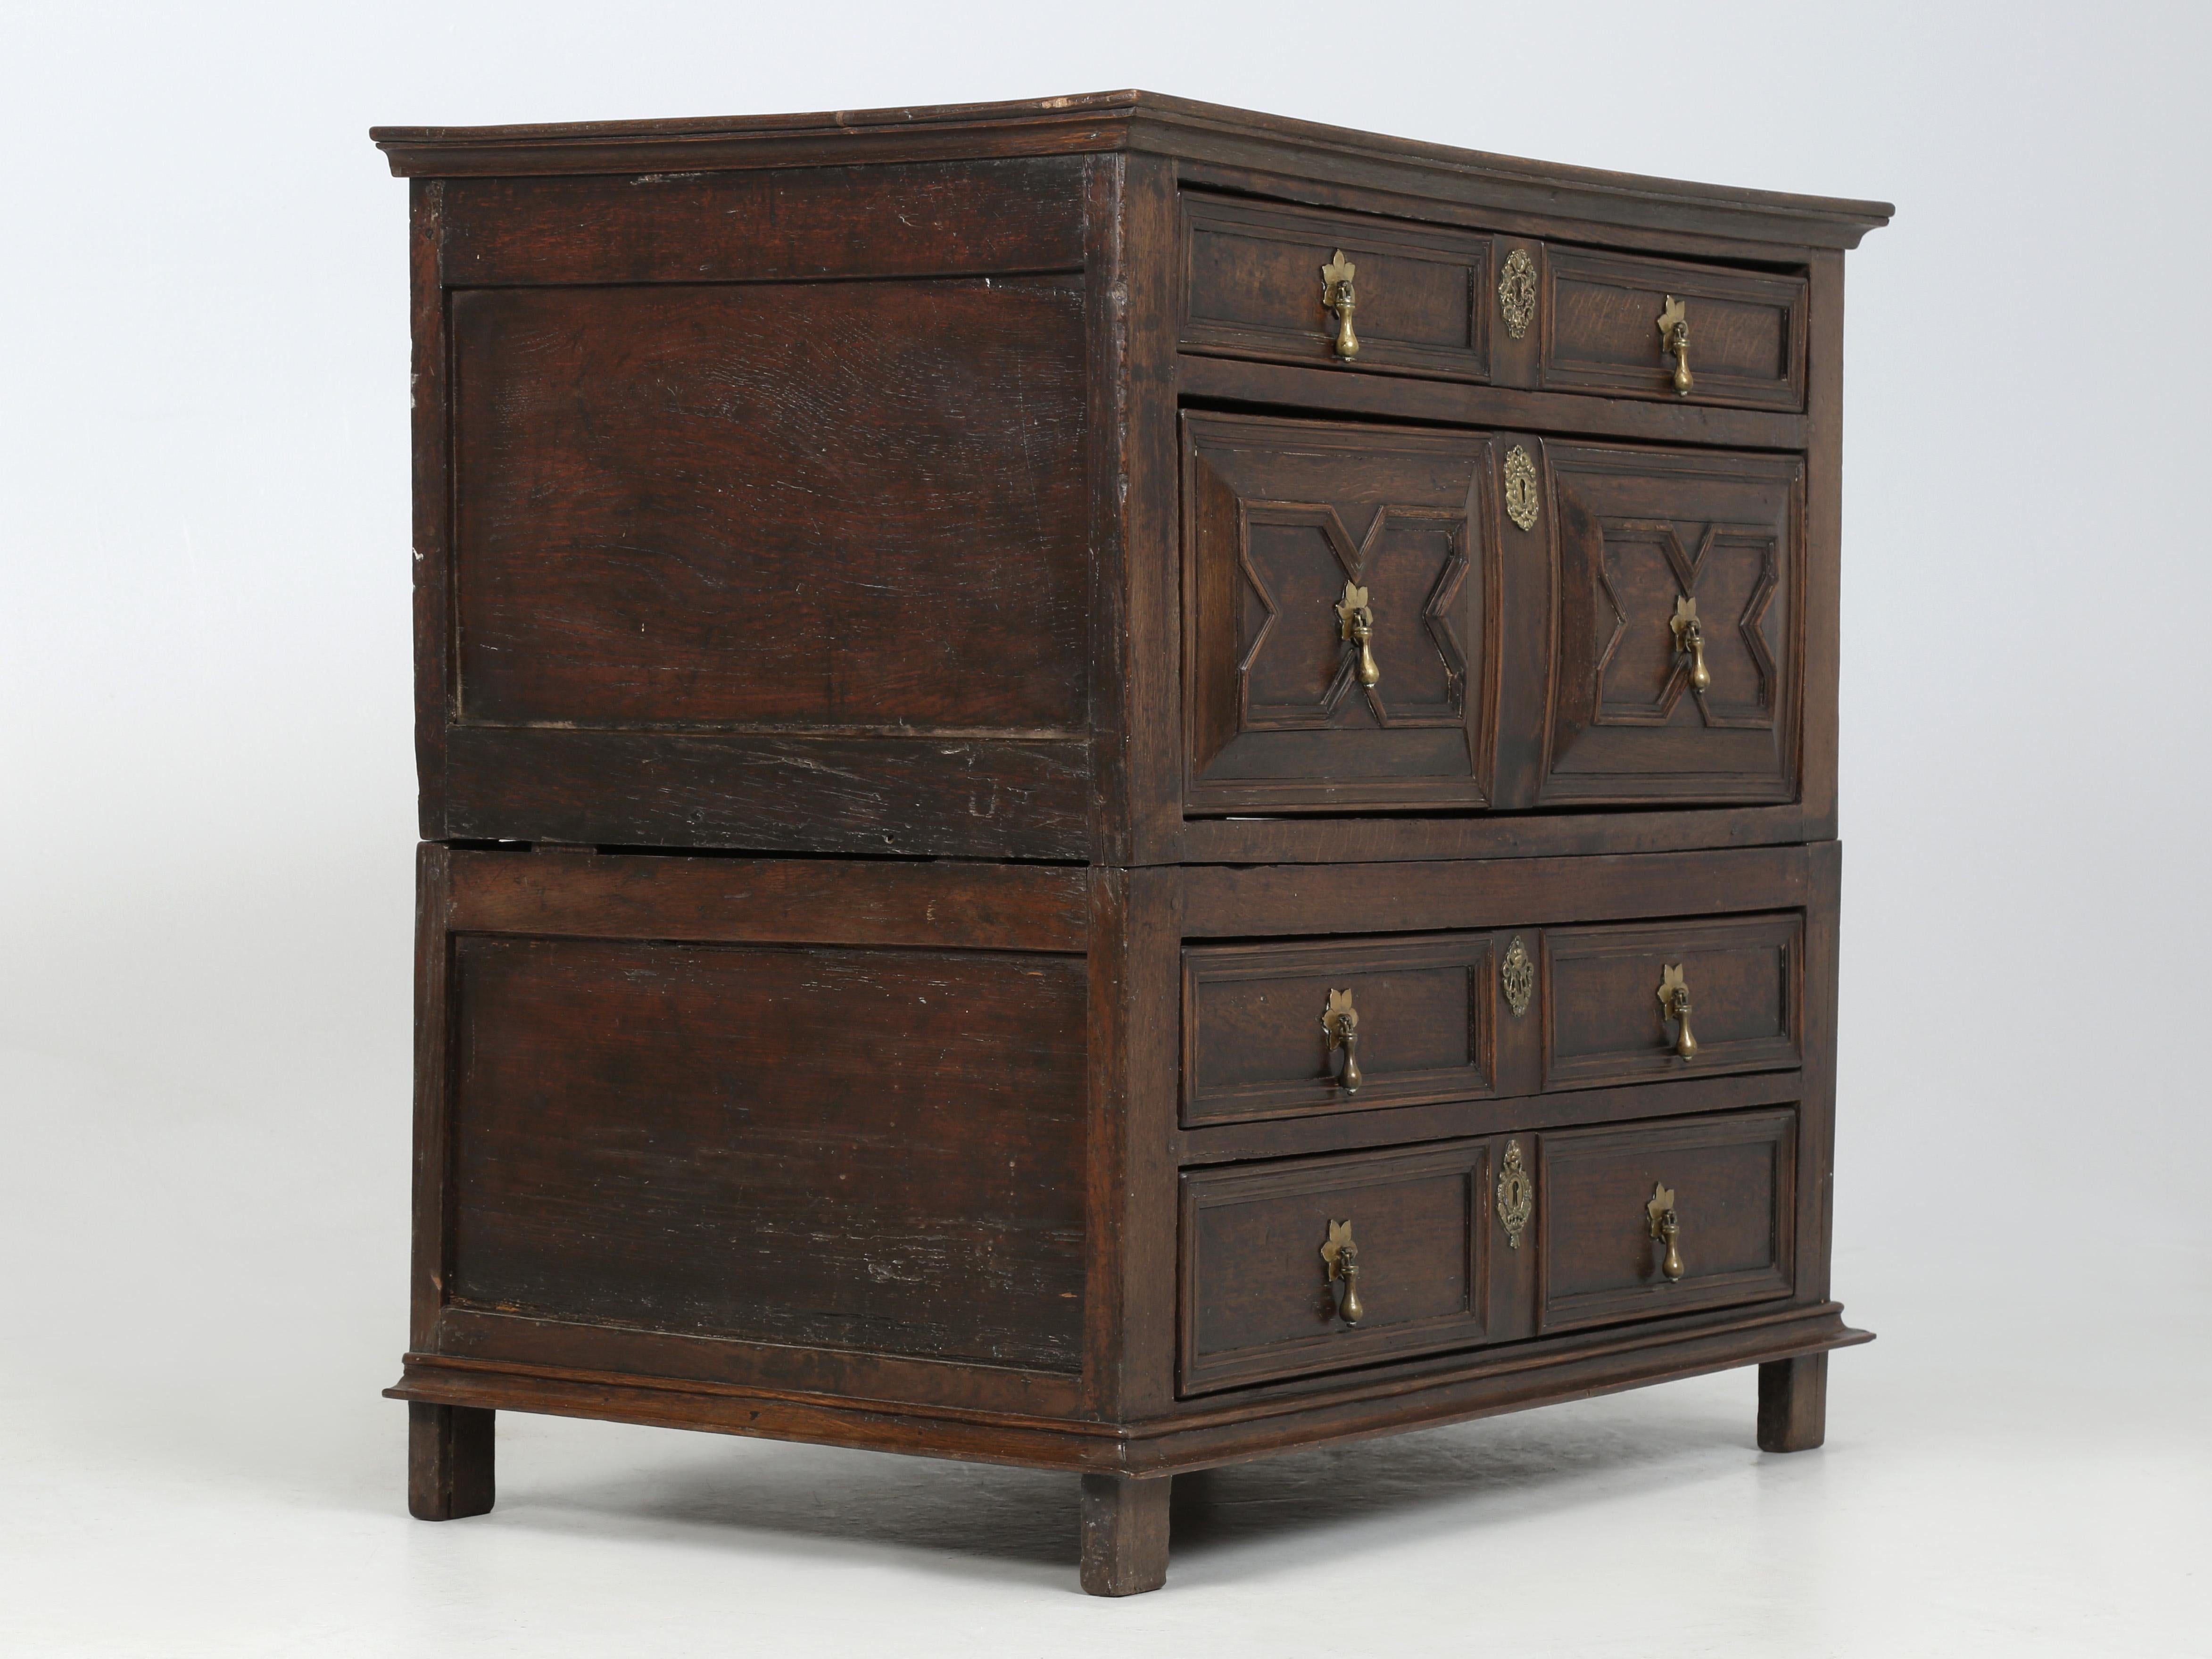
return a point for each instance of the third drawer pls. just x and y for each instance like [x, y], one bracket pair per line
[1269, 1029]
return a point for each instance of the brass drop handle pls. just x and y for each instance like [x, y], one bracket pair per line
[1337, 297]
[1341, 1021]
[1660, 1212]
[1674, 336]
[1355, 623]
[1343, 1258]
[1674, 1004]
[1690, 640]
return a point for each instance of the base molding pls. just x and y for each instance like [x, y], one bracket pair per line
[1225, 1431]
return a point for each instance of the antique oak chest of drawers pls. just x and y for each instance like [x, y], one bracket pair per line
[1113, 785]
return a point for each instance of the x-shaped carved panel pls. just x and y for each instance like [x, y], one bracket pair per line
[1652, 636]
[1389, 702]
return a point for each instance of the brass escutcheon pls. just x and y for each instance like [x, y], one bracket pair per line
[1340, 1020]
[1517, 1195]
[1343, 1258]
[1675, 338]
[1690, 640]
[1355, 623]
[1336, 296]
[1517, 975]
[1674, 1004]
[1659, 1211]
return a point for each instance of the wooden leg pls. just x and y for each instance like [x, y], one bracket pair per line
[1125, 1534]
[1793, 1403]
[448, 1461]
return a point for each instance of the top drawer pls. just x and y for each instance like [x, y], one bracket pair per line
[1623, 325]
[1253, 285]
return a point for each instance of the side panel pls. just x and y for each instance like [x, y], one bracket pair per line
[772, 1124]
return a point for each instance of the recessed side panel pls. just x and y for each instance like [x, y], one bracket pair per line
[847, 508]
[866, 1149]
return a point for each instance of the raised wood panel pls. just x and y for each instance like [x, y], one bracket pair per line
[1252, 287]
[871, 1149]
[781, 508]
[1600, 317]
[1603, 1022]
[1254, 1046]
[1256, 1299]
[1733, 1178]
[1638, 532]
[1278, 517]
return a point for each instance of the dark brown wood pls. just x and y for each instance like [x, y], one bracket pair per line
[449, 1461]
[1793, 1403]
[1257, 1299]
[1746, 328]
[1603, 1021]
[901, 802]
[1280, 518]
[1125, 1534]
[1253, 1045]
[1732, 1178]
[1251, 288]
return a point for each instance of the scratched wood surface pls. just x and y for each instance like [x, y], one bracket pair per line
[870, 1149]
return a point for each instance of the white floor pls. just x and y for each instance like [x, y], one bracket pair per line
[196, 1462]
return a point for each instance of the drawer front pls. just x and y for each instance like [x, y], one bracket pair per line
[1601, 330]
[1671, 563]
[1605, 1020]
[1288, 526]
[1253, 287]
[1729, 1183]
[1258, 1301]
[1284, 1030]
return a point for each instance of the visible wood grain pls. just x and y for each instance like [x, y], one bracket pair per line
[933, 798]
[1257, 1302]
[781, 225]
[430, 452]
[1603, 1022]
[784, 508]
[1233, 902]
[1256, 1423]
[1793, 1403]
[877, 1149]
[449, 1461]
[1148, 120]
[1254, 1046]
[788, 901]
[1599, 315]
[1733, 1179]
[1124, 1523]
[1252, 287]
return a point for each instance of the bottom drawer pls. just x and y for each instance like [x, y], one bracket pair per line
[1258, 1300]
[1604, 1201]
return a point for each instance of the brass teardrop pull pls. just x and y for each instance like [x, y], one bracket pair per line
[1340, 1021]
[1675, 338]
[1674, 1004]
[1337, 297]
[1660, 1212]
[1355, 623]
[1343, 1258]
[1690, 640]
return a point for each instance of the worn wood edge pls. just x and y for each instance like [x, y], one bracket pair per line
[1232, 1432]
[1105, 121]
[939, 905]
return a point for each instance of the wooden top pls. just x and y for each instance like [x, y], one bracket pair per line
[1147, 121]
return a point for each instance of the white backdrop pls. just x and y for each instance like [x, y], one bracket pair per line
[208, 824]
